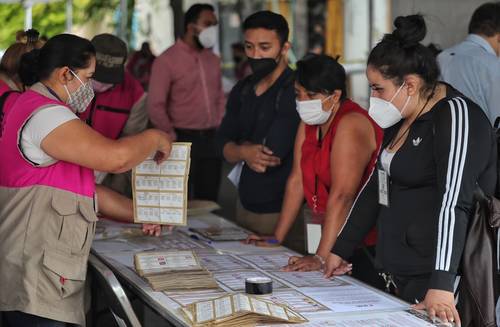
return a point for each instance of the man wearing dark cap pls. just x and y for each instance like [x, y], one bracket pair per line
[118, 108]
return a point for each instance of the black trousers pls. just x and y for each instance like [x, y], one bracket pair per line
[18, 318]
[206, 166]
[363, 268]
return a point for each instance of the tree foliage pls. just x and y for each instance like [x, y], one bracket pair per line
[50, 19]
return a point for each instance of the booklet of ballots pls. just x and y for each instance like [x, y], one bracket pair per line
[173, 270]
[239, 310]
[160, 191]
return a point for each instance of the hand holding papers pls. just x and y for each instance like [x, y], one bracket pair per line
[173, 270]
[160, 191]
[239, 310]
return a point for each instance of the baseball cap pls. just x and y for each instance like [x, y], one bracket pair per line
[111, 53]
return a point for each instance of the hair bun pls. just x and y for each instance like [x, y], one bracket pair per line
[410, 30]
[29, 67]
[32, 36]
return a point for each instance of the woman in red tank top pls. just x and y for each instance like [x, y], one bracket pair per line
[335, 152]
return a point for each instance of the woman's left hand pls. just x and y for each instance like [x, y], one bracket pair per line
[307, 263]
[441, 304]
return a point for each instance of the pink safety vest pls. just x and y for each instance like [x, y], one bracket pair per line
[16, 171]
[3, 87]
[109, 111]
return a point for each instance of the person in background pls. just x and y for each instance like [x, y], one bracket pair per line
[119, 106]
[241, 66]
[438, 148]
[336, 148]
[473, 66]
[316, 45]
[140, 64]
[11, 85]
[43, 39]
[186, 98]
[9, 65]
[117, 110]
[47, 187]
[260, 124]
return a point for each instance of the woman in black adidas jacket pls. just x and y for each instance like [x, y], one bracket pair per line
[438, 146]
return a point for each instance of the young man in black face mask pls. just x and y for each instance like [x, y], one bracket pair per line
[258, 131]
[186, 98]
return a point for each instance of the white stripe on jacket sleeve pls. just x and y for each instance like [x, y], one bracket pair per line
[456, 162]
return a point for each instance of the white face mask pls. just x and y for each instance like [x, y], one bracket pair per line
[208, 36]
[311, 111]
[384, 112]
[81, 98]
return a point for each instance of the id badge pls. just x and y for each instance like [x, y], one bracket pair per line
[383, 187]
[313, 232]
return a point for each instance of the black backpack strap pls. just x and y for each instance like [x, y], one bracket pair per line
[3, 98]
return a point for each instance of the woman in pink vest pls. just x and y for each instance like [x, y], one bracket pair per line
[47, 211]
[336, 149]
[10, 81]
[9, 65]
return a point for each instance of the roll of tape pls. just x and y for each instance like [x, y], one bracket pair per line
[258, 285]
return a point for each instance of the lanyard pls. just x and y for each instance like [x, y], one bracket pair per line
[396, 139]
[316, 177]
[51, 91]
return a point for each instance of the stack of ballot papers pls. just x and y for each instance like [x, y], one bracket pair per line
[222, 233]
[173, 270]
[160, 190]
[239, 310]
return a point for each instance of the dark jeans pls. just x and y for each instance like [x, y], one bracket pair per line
[18, 319]
[206, 166]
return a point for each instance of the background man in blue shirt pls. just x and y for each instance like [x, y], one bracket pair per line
[473, 66]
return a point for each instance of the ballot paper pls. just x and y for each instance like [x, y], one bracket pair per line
[149, 263]
[408, 318]
[353, 298]
[239, 310]
[296, 301]
[309, 279]
[188, 297]
[222, 262]
[173, 270]
[270, 262]
[160, 191]
[235, 173]
[222, 233]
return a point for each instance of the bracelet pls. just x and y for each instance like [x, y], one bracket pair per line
[321, 260]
